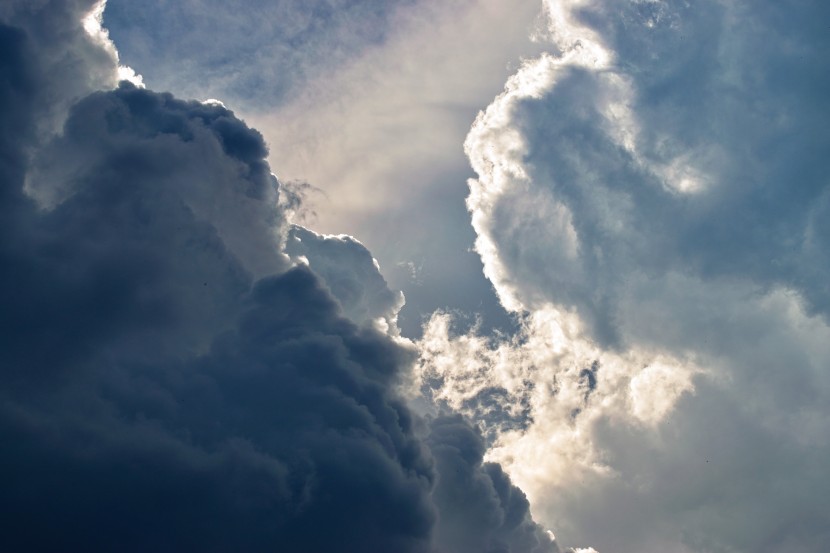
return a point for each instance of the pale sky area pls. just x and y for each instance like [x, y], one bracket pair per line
[369, 102]
[468, 276]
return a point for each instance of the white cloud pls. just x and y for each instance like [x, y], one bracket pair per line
[350, 273]
[648, 196]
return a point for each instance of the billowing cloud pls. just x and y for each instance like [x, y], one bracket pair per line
[480, 509]
[651, 198]
[621, 153]
[351, 274]
[284, 426]
[170, 381]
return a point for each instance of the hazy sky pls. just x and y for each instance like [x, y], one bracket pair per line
[367, 101]
[406, 275]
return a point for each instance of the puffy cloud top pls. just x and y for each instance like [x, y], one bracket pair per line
[350, 273]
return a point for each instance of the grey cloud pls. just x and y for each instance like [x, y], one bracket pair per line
[140, 170]
[156, 395]
[69, 63]
[481, 511]
[284, 427]
[169, 383]
[201, 153]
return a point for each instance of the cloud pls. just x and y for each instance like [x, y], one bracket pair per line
[626, 158]
[649, 199]
[154, 385]
[480, 509]
[200, 152]
[70, 64]
[350, 273]
[285, 425]
[170, 380]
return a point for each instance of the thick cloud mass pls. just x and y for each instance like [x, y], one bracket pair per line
[169, 381]
[672, 139]
[481, 511]
[155, 399]
[284, 426]
[653, 196]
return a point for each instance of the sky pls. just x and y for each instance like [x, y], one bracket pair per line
[405, 275]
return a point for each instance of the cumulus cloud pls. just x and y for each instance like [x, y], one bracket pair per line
[481, 511]
[171, 382]
[650, 198]
[625, 157]
[284, 426]
[351, 274]
[200, 152]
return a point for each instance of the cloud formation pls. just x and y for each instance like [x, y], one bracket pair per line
[170, 381]
[350, 273]
[651, 197]
[481, 511]
[659, 161]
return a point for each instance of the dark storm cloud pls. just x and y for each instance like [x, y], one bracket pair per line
[283, 436]
[133, 140]
[135, 241]
[481, 511]
[155, 399]
[169, 383]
